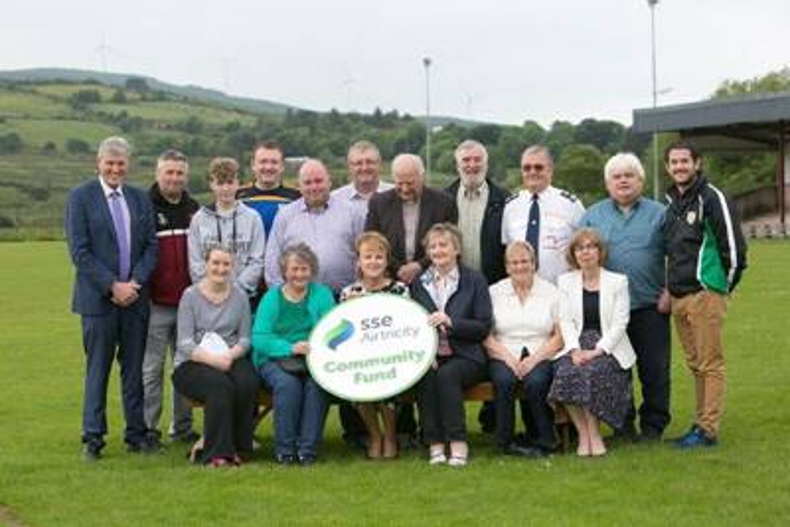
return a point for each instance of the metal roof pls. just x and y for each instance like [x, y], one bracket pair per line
[743, 123]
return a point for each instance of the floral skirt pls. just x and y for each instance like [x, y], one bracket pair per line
[601, 386]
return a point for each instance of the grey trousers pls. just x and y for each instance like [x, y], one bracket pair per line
[161, 336]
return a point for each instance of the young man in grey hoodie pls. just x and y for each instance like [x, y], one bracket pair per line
[231, 224]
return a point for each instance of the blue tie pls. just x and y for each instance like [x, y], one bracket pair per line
[119, 222]
[533, 227]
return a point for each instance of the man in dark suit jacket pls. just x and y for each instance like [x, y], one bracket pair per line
[404, 214]
[112, 243]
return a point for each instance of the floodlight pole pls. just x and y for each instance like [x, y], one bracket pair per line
[426, 62]
[656, 178]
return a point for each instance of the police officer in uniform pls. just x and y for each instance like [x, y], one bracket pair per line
[541, 214]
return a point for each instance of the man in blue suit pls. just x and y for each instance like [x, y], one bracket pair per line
[112, 243]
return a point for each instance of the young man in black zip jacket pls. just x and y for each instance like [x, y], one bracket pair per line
[706, 256]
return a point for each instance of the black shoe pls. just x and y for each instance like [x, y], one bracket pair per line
[626, 434]
[190, 436]
[538, 452]
[285, 459]
[307, 459]
[149, 445]
[91, 451]
[517, 450]
[648, 436]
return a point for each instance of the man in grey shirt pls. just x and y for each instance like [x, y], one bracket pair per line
[327, 224]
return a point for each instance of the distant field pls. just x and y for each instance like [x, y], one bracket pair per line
[30, 105]
[743, 482]
[38, 132]
[174, 112]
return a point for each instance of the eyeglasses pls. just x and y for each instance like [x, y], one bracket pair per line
[585, 247]
[537, 167]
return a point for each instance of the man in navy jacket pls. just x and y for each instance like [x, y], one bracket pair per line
[112, 243]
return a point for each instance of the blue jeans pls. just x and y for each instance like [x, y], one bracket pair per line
[300, 407]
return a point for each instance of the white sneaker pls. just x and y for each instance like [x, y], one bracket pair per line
[457, 461]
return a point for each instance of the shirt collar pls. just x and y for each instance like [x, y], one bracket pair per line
[304, 208]
[108, 190]
[472, 194]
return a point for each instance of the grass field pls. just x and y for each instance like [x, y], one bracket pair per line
[43, 481]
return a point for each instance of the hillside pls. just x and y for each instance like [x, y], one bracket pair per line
[52, 120]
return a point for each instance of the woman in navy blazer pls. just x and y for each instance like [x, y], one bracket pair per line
[460, 309]
[592, 377]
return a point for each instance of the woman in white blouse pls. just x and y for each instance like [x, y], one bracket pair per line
[524, 340]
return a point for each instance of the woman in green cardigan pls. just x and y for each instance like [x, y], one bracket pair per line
[283, 322]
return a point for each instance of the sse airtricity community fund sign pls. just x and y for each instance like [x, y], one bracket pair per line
[372, 347]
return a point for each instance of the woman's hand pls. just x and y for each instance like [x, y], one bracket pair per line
[526, 365]
[223, 362]
[301, 348]
[582, 357]
[218, 361]
[440, 319]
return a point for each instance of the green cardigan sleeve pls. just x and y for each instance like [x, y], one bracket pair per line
[266, 343]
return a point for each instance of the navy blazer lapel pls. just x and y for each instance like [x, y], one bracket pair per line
[103, 207]
[428, 302]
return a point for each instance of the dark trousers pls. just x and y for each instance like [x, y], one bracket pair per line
[440, 399]
[228, 404]
[649, 333]
[536, 387]
[121, 334]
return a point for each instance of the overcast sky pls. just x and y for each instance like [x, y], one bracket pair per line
[495, 60]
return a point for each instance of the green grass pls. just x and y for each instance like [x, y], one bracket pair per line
[37, 132]
[30, 105]
[745, 481]
[172, 112]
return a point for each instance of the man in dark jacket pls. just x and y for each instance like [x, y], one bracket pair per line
[404, 214]
[112, 243]
[173, 209]
[706, 256]
[480, 205]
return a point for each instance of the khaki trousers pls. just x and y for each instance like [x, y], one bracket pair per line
[699, 321]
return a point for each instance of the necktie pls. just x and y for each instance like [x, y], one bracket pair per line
[119, 222]
[533, 227]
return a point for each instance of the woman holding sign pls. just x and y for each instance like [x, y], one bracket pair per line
[211, 364]
[283, 322]
[460, 305]
[373, 258]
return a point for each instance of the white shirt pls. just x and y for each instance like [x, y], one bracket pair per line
[560, 214]
[530, 324]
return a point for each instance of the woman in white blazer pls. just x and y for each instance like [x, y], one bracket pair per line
[592, 378]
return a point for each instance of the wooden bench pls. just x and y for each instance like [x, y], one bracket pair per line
[482, 392]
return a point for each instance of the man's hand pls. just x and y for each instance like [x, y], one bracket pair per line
[125, 294]
[408, 272]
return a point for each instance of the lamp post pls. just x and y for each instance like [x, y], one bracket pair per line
[426, 62]
[656, 179]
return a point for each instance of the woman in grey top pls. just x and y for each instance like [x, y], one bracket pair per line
[211, 363]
